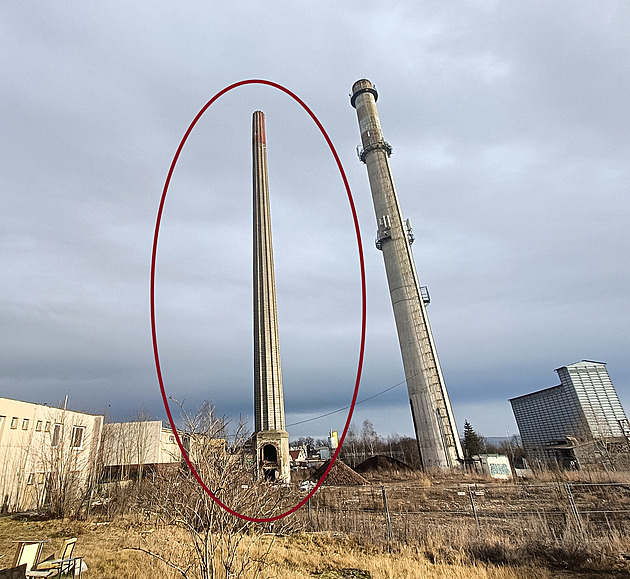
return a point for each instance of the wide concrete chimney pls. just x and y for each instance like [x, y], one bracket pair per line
[431, 410]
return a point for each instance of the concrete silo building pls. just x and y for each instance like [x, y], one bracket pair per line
[578, 422]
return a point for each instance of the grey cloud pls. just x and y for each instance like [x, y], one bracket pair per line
[510, 134]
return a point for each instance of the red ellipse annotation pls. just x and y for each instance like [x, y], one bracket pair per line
[363, 294]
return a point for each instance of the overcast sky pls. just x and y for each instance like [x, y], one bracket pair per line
[510, 125]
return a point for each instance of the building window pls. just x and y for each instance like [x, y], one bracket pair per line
[171, 438]
[30, 479]
[38, 426]
[40, 478]
[47, 426]
[56, 435]
[14, 422]
[77, 437]
[25, 424]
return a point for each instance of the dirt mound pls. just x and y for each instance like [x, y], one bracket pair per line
[340, 475]
[382, 463]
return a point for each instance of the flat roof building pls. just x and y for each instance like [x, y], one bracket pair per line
[574, 422]
[47, 456]
[129, 448]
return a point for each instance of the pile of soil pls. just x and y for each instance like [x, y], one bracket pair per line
[380, 463]
[340, 475]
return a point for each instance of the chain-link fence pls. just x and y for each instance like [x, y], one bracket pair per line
[406, 512]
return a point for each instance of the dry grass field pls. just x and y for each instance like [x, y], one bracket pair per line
[108, 552]
[515, 532]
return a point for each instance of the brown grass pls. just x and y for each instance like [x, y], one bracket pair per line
[585, 475]
[299, 556]
[434, 535]
[517, 524]
[106, 549]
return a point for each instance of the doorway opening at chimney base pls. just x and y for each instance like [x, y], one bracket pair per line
[270, 464]
[270, 454]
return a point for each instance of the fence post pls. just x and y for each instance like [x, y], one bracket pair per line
[574, 510]
[474, 509]
[390, 534]
[310, 523]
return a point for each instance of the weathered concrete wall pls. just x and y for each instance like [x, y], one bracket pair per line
[433, 418]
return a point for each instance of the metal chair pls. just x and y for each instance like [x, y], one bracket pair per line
[68, 547]
[27, 553]
[64, 566]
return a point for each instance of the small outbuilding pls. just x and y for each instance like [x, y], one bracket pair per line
[493, 465]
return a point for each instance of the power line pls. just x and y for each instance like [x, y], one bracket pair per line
[346, 407]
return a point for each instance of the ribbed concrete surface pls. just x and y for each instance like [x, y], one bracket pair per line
[268, 394]
[269, 401]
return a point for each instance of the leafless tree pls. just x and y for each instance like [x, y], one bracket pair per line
[66, 462]
[129, 451]
[369, 439]
[359, 447]
[219, 544]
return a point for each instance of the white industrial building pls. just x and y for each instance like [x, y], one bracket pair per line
[46, 454]
[579, 421]
[133, 448]
[54, 455]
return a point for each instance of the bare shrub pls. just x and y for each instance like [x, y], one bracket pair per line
[67, 465]
[212, 542]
